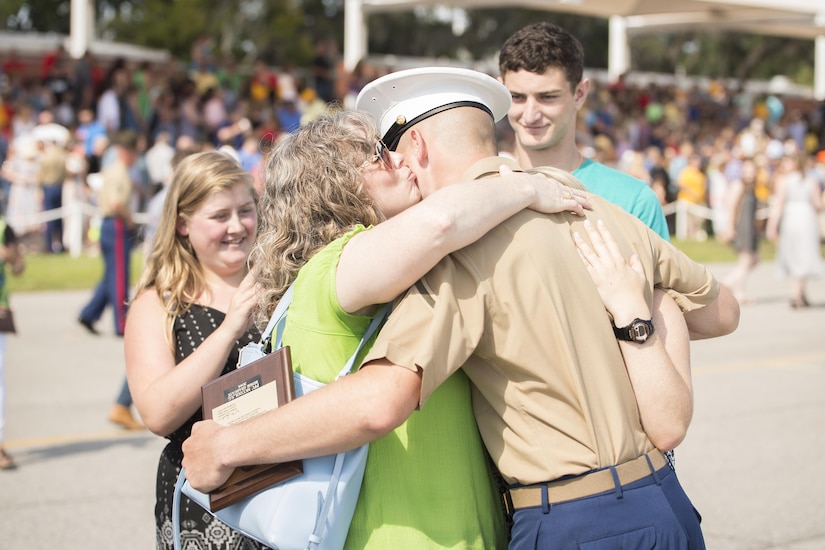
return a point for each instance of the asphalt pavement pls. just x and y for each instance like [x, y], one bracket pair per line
[750, 461]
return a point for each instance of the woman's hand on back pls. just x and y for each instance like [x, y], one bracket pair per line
[621, 282]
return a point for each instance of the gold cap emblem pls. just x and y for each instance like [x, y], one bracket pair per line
[400, 120]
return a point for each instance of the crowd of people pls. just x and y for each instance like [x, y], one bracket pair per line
[686, 143]
[354, 209]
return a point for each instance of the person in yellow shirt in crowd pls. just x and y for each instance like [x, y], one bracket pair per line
[692, 184]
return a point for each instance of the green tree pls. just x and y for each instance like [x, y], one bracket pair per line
[286, 30]
[46, 15]
[724, 55]
[159, 23]
[489, 29]
[34, 15]
[276, 31]
[411, 33]
[423, 33]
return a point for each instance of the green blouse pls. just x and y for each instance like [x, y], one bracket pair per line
[427, 483]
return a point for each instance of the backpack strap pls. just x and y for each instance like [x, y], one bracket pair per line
[277, 321]
[255, 350]
[375, 324]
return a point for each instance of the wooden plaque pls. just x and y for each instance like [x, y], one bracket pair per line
[244, 393]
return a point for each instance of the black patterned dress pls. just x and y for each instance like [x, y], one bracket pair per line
[199, 529]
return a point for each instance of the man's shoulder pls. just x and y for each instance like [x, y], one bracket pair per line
[515, 236]
[616, 186]
[631, 194]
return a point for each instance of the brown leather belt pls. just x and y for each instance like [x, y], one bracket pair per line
[587, 485]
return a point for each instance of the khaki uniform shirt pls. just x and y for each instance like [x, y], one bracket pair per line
[116, 191]
[520, 313]
[52, 165]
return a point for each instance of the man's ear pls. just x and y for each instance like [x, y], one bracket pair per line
[418, 146]
[581, 92]
[181, 227]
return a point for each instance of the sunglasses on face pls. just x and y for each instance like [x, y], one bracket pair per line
[382, 154]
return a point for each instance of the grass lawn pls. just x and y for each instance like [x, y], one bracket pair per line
[712, 251]
[62, 272]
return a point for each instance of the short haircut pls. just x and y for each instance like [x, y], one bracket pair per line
[128, 139]
[540, 46]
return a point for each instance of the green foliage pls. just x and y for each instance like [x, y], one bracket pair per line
[35, 15]
[408, 34]
[281, 35]
[728, 55]
[489, 28]
[285, 31]
[159, 24]
[278, 32]
[424, 33]
[322, 18]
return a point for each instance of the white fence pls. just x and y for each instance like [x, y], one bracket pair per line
[683, 209]
[74, 214]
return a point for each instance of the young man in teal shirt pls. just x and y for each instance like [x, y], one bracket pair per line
[542, 65]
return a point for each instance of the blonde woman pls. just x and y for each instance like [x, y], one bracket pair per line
[190, 316]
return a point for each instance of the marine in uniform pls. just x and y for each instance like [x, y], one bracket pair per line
[115, 237]
[116, 242]
[519, 313]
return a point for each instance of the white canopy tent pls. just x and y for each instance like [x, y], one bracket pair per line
[790, 18]
[80, 40]
[82, 37]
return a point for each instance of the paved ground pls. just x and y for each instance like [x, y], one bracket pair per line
[750, 462]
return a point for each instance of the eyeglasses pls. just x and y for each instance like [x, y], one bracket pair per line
[382, 153]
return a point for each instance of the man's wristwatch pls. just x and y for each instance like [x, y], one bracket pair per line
[639, 330]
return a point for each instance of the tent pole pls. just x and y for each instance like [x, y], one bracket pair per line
[82, 27]
[355, 33]
[618, 50]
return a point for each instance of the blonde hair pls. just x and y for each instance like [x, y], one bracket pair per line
[172, 268]
[313, 193]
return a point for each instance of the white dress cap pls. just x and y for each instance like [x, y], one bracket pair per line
[401, 99]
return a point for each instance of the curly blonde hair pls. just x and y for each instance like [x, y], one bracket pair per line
[172, 268]
[313, 193]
